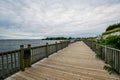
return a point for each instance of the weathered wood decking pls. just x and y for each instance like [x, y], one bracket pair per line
[76, 62]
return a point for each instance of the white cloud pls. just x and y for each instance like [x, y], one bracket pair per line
[41, 18]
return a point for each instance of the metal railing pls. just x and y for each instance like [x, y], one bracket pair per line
[14, 61]
[111, 56]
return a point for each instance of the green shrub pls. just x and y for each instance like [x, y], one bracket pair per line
[111, 31]
[101, 41]
[113, 41]
[113, 26]
[110, 70]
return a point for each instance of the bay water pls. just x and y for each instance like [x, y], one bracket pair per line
[14, 44]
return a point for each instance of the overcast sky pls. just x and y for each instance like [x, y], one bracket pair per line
[34, 19]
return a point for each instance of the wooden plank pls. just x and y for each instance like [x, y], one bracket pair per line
[76, 62]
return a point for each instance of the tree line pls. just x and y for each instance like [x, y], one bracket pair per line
[113, 26]
[57, 38]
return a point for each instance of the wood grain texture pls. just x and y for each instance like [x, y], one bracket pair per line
[76, 62]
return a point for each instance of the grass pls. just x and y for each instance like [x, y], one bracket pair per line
[111, 31]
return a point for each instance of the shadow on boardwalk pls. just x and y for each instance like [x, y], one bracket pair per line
[76, 62]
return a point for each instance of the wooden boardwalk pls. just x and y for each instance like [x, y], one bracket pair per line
[76, 62]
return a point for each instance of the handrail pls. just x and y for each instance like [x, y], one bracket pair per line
[107, 46]
[16, 60]
[111, 56]
[9, 52]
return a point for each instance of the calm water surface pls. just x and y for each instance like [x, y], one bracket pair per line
[8, 45]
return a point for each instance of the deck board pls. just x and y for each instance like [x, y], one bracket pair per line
[76, 62]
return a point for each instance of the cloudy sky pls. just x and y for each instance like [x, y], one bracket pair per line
[34, 19]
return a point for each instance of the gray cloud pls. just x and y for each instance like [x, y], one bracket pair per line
[42, 18]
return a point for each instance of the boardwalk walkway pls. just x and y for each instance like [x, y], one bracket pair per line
[76, 62]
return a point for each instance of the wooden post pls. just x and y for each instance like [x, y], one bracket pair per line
[68, 43]
[11, 55]
[61, 44]
[7, 64]
[3, 71]
[105, 54]
[65, 44]
[119, 62]
[22, 68]
[56, 45]
[47, 50]
[92, 45]
[29, 57]
[15, 61]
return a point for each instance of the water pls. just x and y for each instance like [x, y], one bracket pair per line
[9, 45]
[14, 44]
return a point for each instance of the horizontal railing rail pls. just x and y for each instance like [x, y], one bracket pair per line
[111, 56]
[14, 61]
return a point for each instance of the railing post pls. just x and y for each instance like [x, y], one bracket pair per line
[56, 45]
[61, 45]
[47, 50]
[119, 62]
[95, 48]
[29, 57]
[92, 45]
[105, 54]
[3, 72]
[67, 43]
[22, 68]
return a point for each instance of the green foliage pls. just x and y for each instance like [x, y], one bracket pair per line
[111, 31]
[110, 69]
[56, 38]
[99, 52]
[101, 41]
[112, 41]
[113, 26]
[70, 38]
[91, 38]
